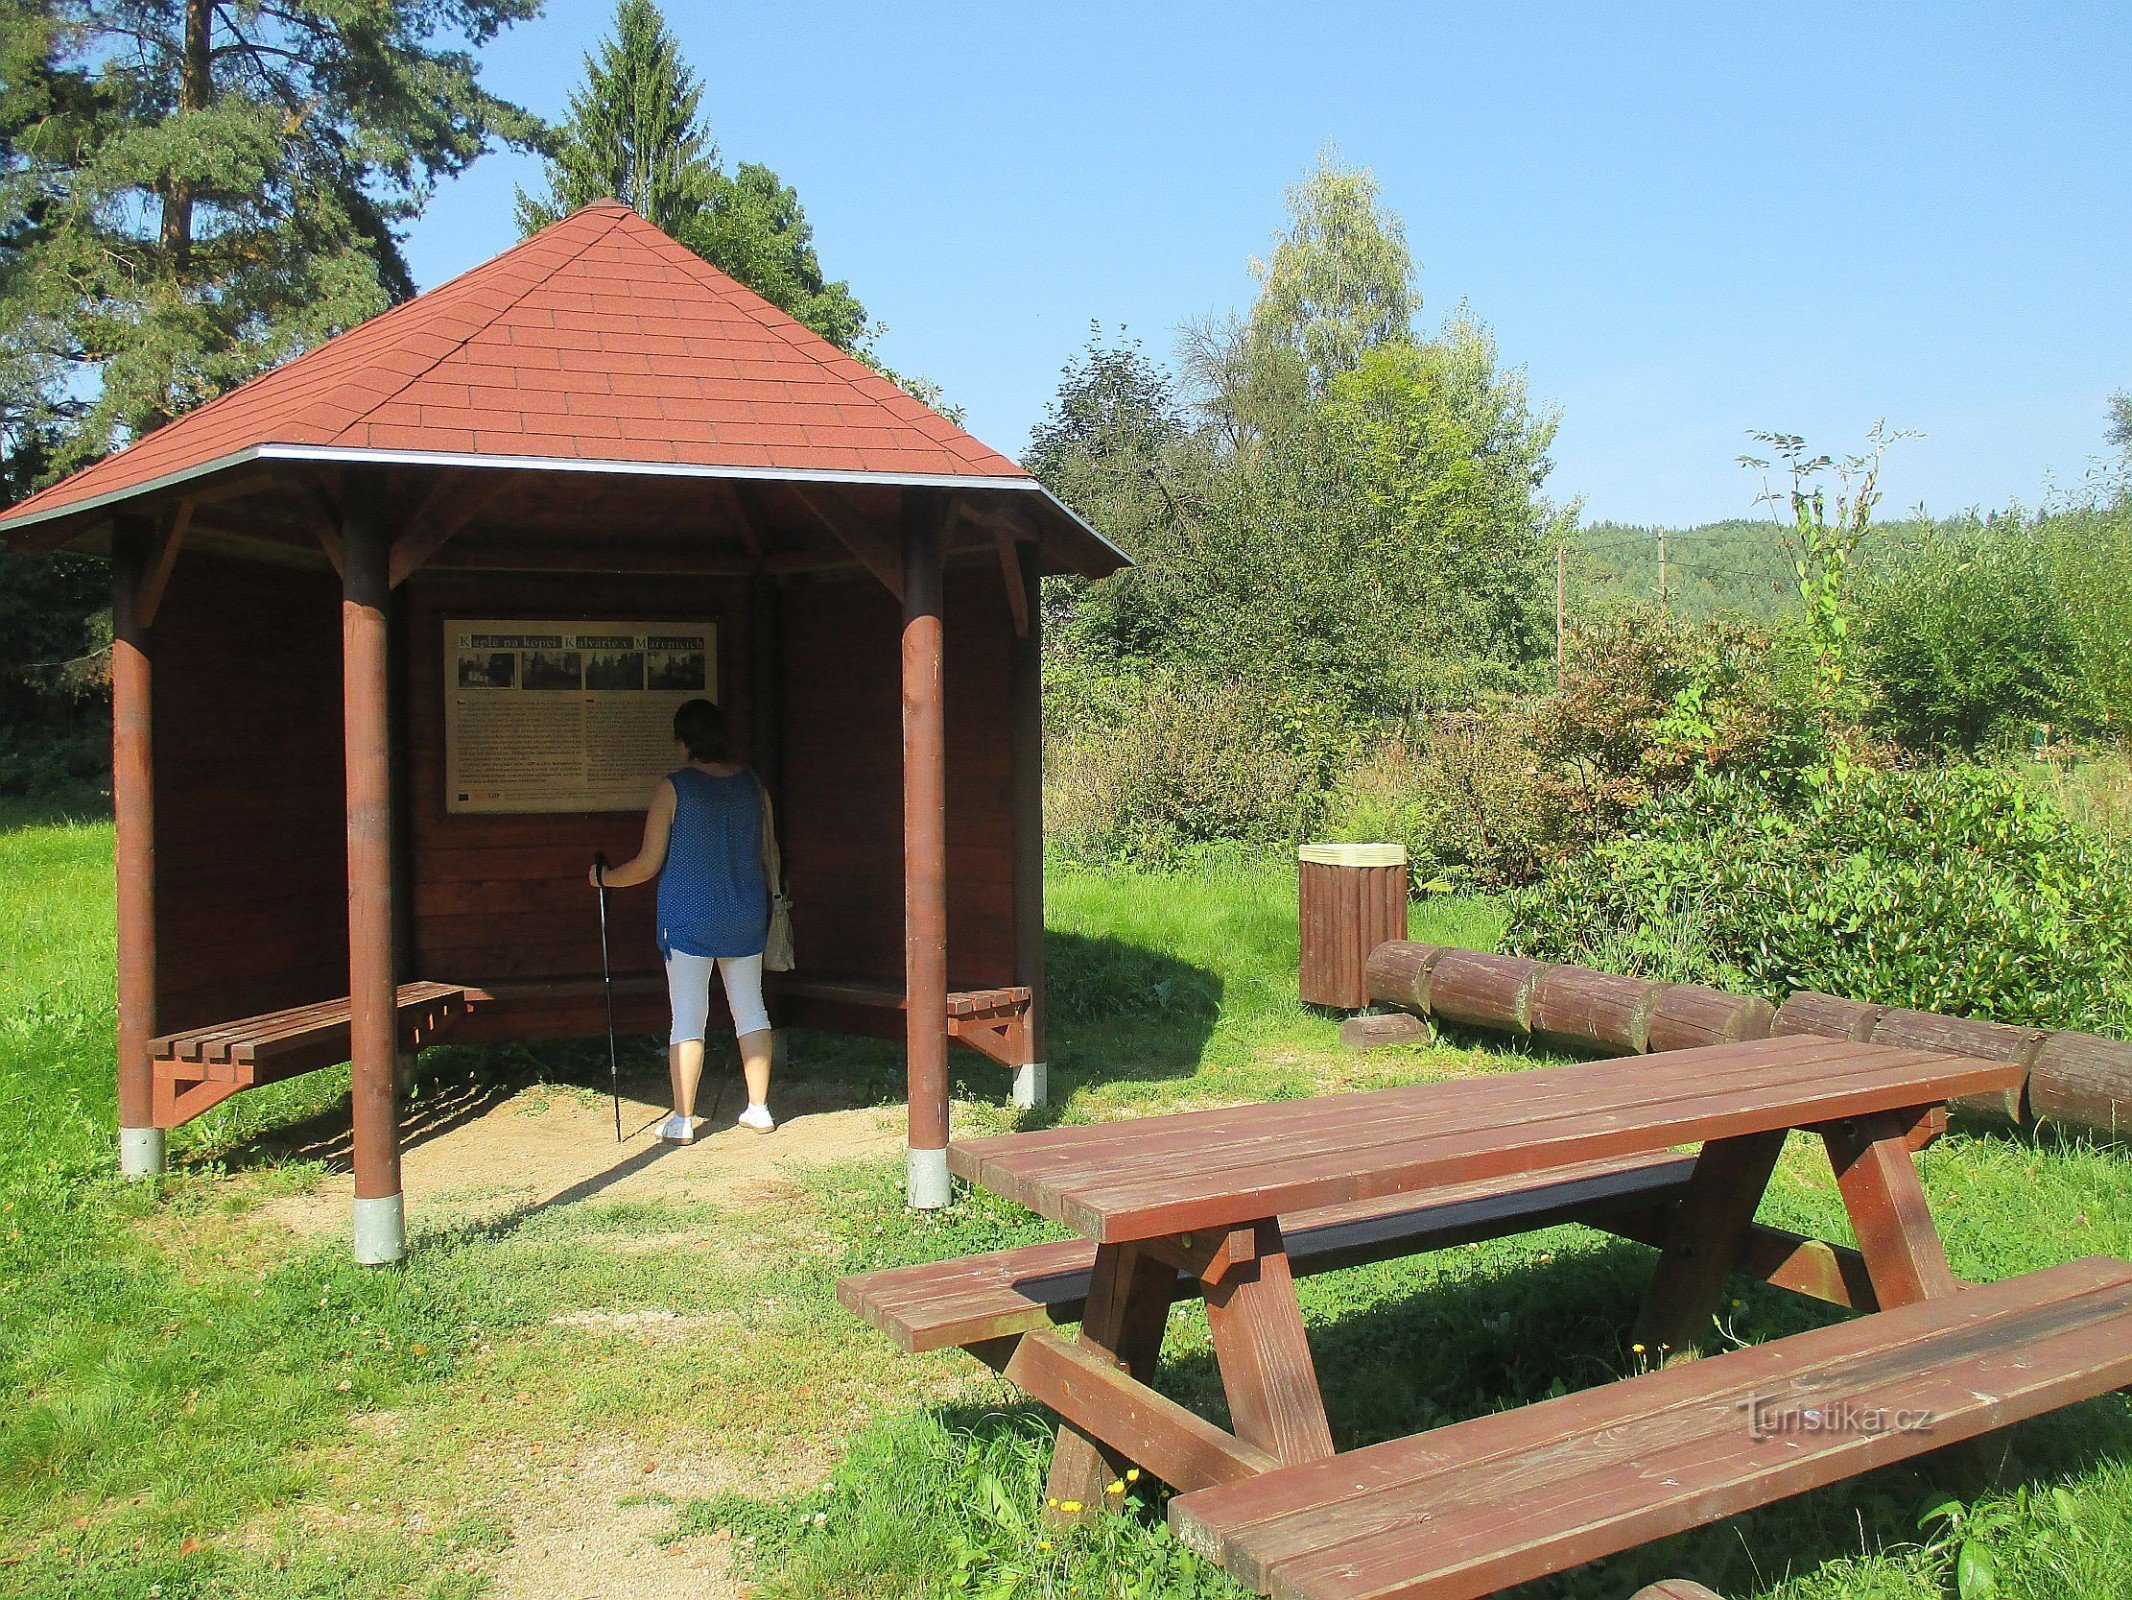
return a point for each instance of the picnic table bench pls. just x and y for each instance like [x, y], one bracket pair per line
[1233, 1205]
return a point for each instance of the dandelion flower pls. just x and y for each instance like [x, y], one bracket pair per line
[1117, 1486]
[1072, 1508]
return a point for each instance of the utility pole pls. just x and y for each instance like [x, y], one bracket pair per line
[1664, 596]
[1561, 585]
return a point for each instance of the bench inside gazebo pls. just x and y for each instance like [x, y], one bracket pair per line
[399, 628]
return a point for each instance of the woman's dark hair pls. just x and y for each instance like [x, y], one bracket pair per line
[700, 725]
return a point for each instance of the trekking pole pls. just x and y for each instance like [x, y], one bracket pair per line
[614, 1069]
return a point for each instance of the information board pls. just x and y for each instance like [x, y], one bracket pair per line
[566, 716]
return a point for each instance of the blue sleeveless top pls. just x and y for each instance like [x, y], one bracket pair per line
[713, 897]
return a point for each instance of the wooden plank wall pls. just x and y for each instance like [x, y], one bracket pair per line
[504, 897]
[251, 871]
[251, 848]
[843, 779]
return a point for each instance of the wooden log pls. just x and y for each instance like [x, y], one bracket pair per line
[2083, 1081]
[1967, 1036]
[1388, 1028]
[1676, 1589]
[1483, 991]
[1590, 1010]
[1398, 973]
[1829, 1015]
[1687, 1016]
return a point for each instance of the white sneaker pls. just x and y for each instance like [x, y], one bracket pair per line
[678, 1129]
[758, 1118]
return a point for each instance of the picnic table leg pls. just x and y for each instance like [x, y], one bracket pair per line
[1877, 1175]
[1127, 1310]
[1266, 1370]
[1709, 1231]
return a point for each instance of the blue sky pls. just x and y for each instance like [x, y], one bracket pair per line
[1684, 221]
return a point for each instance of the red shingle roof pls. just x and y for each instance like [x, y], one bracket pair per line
[598, 340]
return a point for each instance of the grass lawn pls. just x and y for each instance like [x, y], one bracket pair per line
[199, 1403]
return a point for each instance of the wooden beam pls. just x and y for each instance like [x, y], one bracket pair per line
[610, 557]
[1264, 1356]
[1708, 1236]
[157, 577]
[739, 514]
[1877, 1177]
[323, 513]
[876, 553]
[442, 516]
[1010, 568]
[1122, 1325]
[1184, 1450]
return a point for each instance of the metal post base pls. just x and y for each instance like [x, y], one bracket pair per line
[380, 1230]
[1032, 1083]
[142, 1152]
[927, 1185]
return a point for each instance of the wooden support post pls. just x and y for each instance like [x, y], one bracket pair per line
[373, 1030]
[1128, 1309]
[1710, 1231]
[1025, 692]
[925, 852]
[1266, 1370]
[140, 1142]
[1877, 1176]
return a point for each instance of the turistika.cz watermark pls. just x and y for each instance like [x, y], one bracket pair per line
[1773, 1419]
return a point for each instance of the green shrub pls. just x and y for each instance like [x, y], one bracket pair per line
[1470, 801]
[1496, 795]
[1958, 889]
[1969, 639]
[2089, 551]
[1179, 763]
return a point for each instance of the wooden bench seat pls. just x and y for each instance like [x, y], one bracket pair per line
[199, 1068]
[1477, 1506]
[935, 1305]
[993, 1022]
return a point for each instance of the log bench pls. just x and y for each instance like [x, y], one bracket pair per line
[199, 1068]
[1593, 1473]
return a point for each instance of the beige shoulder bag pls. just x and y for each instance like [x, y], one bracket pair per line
[777, 953]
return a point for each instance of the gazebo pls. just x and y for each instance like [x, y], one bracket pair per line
[398, 629]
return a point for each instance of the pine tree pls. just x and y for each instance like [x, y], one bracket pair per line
[194, 191]
[636, 133]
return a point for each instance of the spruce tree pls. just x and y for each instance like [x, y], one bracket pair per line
[636, 133]
[192, 191]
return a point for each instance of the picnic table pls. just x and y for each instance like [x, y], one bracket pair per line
[1232, 1205]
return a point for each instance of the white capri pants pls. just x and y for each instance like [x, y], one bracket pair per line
[688, 989]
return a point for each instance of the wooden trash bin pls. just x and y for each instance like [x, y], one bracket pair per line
[1352, 898]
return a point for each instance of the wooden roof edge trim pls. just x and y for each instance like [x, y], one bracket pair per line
[13, 527]
[360, 455]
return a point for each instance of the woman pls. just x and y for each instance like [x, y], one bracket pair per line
[707, 838]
